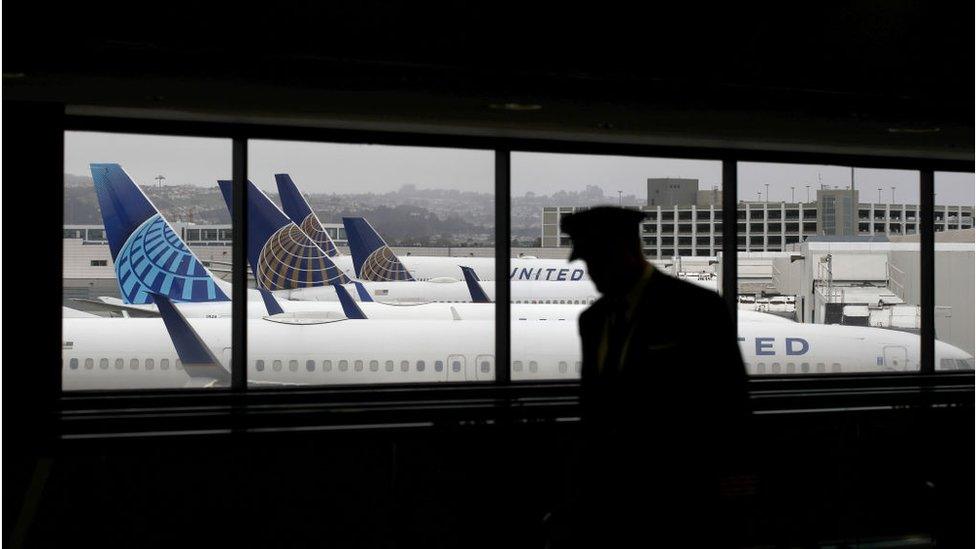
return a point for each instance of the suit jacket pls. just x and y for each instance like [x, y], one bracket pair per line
[671, 420]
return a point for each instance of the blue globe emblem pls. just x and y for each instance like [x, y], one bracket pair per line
[155, 259]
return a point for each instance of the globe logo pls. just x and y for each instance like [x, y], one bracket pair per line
[154, 259]
[290, 260]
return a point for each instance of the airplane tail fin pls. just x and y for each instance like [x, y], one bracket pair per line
[282, 257]
[149, 256]
[198, 361]
[478, 294]
[270, 303]
[373, 259]
[299, 210]
[349, 307]
[227, 191]
[361, 290]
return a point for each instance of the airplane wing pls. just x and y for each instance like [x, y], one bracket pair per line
[199, 363]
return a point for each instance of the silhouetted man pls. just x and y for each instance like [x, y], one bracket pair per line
[664, 394]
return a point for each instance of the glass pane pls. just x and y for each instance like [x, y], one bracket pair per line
[681, 235]
[361, 249]
[129, 202]
[828, 269]
[955, 280]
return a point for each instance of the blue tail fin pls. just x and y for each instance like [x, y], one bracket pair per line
[349, 307]
[270, 303]
[227, 191]
[149, 256]
[198, 362]
[373, 259]
[282, 257]
[298, 209]
[478, 294]
[361, 290]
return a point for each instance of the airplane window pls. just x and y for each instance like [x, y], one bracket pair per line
[343, 365]
[73, 364]
[103, 364]
[178, 364]
[821, 368]
[119, 363]
[89, 363]
[563, 366]
[358, 365]
[533, 366]
[438, 366]
[164, 364]
[326, 365]
[485, 366]
[835, 367]
[420, 366]
[761, 368]
[150, 364]
[374, 365]
[293, 365]
[134, 364]
[389, 365]
[310, 365]
[517, 366]
[276, 365]
[259, 365]
[774, 368]
[456, 365]
[790, 368]
[579, 366]
[404, 365]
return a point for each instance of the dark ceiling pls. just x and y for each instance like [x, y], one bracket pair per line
[889, 77]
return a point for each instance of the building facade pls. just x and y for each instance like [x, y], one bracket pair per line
[696, 229]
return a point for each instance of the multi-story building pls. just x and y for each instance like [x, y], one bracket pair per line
[696, 229]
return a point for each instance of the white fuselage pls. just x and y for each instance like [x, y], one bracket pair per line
[428, 267]
[138, 353]
[565, 293]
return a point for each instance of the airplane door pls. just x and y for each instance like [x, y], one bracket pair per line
[484, 368]
[457, 370]
[895, 357]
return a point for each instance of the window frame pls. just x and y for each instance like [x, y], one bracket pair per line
[241, 133]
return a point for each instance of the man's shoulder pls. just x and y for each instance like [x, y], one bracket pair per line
[594, 311]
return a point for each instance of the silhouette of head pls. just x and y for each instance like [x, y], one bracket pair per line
[608, 240]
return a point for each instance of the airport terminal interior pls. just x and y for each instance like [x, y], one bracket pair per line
[328, 275]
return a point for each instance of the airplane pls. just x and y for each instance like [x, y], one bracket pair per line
[149, 256]
[124, 205]
[173, 351]
[287, 262]
[372, 259]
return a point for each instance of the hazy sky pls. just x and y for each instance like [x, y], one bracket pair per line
[341, 168]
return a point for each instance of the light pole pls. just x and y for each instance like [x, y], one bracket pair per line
[159, 180]
[767, 192]
[792, 194]
[619, 199]
[879, 195]
[892, 195]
